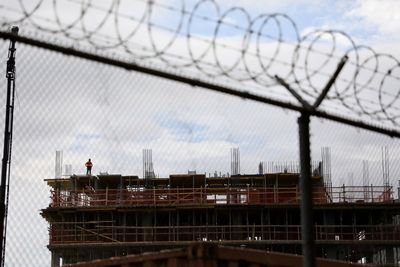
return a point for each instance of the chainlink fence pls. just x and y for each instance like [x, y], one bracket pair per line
[72, 102]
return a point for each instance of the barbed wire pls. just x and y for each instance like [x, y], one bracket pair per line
[200, 38]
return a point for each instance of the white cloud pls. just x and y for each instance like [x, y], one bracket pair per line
[271, 6]
[385, 15]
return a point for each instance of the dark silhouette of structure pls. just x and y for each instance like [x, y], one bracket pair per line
[201, 254]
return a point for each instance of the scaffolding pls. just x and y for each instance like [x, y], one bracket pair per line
[215, 196]
[113, 215]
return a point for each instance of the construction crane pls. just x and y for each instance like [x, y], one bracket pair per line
[6, 163]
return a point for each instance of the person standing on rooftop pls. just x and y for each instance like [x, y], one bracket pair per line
[89, 166]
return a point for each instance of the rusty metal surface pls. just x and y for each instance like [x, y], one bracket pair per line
[136, 197]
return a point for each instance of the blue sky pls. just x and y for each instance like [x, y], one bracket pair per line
[369, 21]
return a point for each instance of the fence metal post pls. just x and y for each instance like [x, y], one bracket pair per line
[307, 220]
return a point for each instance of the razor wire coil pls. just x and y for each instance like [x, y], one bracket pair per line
[235, 47]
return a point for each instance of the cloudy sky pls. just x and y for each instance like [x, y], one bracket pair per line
[108, 114]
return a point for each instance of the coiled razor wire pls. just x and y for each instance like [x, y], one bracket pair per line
[199, 38]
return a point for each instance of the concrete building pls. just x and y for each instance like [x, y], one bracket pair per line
[95, 217]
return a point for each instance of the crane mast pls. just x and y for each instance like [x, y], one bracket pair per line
[6, 162]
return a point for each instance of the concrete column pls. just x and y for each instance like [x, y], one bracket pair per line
[147, 221]
[236, 219]
[390, 256]
[55, 259]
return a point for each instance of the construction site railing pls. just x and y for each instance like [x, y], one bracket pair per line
[61, 233]
[217, 196]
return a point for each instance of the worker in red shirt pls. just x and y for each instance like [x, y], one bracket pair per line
[89, 166]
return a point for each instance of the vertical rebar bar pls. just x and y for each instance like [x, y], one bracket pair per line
[307, 220]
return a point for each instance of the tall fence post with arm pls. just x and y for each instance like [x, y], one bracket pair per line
[307, 220]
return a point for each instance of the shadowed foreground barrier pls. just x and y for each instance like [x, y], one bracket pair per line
[211, 255]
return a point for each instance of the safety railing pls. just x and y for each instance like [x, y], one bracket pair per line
[86, 232]
[217, 196]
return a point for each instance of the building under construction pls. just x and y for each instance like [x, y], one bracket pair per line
[108, 215]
